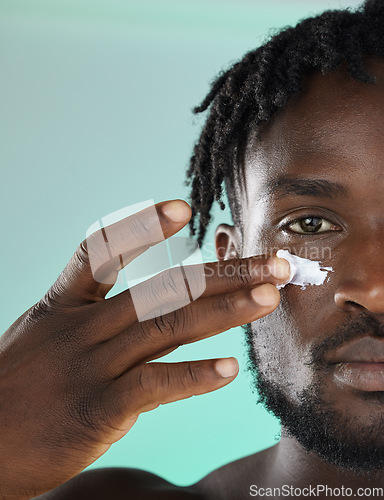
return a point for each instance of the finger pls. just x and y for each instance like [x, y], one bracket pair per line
[201, 319]
[177, 287]
[152, 384]
[93, 269]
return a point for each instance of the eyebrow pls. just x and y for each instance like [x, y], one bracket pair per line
[285, 185]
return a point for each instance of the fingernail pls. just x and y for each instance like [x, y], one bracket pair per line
[177, 211]
[227, 367]
[279, 268]
[264, 295]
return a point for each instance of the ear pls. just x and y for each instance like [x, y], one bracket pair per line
[226, 241]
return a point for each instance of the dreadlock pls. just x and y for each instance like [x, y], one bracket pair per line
[253, 89]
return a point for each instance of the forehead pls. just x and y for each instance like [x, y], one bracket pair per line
[334, 123]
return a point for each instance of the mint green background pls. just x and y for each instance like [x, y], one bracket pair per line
[95, 100]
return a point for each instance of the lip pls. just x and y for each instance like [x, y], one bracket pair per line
[365, 350]
[362, 376]
[360, 364]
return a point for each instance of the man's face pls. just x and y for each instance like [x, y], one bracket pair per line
[333, 131]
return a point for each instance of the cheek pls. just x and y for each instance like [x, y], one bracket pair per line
[256, 239]
[283, 340]
[304, 309]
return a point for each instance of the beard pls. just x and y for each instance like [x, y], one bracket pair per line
[318, 427]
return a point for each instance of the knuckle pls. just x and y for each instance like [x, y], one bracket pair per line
[161, 294]
[168, 287]
[159, 287]
[193, 373]
[139, 229]
[141, 381]
[196, 279]
[163, 378]
[140, 333]
[148, 379]
[226, 304]
[38, 312]
[94, 252]
[81, 253]
[168, 282]
[80, 259]
[243, 272]
[166, 325]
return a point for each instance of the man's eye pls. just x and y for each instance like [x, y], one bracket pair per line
[308, 225]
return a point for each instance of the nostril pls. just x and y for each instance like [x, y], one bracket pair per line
[351, 306]
[361, 296]
[343, 302]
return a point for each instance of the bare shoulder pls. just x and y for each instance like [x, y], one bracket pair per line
[120, 483]
[233, 480]
[228, 482]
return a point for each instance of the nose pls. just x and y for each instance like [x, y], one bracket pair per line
[362, 277]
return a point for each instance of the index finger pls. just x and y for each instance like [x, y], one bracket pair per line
[230, 275]
[172, 289]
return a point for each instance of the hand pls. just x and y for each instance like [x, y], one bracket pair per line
[74, 369]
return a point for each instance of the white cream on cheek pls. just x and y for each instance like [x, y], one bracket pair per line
[303, 271]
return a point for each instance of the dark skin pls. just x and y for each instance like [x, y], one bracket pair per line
[74, 368]
[331, 128]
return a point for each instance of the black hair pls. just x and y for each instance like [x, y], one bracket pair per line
[253, 89]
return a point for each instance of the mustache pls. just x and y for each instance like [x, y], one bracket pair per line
[358, 327]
